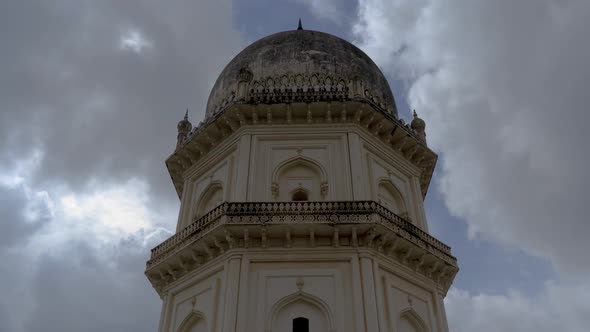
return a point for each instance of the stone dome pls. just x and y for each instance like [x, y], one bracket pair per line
[300, 66]
[417, 123]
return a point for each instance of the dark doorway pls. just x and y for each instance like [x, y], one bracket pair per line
[299, 196]
[300, 324]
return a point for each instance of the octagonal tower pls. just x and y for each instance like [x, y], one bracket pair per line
[302, 201]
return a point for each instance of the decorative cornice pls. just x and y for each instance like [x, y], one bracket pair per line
[352, 224]
[390, 130]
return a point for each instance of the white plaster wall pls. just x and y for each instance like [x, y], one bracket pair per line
[201, 293]
[326, 282]
[361, 290]
[353, 160]
[270, 150]
[388, 166]
[216, 168]
[406, 298]
[245, 291]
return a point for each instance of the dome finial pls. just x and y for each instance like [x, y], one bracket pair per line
[186, 115]
[299, 27]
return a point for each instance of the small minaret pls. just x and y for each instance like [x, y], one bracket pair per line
[184, 128]
[419, 126]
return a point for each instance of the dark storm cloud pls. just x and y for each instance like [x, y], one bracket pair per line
[92, 91]
[503, 88]
[85, 289]
[22, 214]
[98, 110]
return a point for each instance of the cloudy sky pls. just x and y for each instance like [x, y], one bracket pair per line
[91, 91]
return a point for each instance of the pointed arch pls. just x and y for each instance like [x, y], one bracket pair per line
[192, 320]
[299, 160]
[209, 198]
[389, 196]
[307, 174]
[411, 317]
[306, 298]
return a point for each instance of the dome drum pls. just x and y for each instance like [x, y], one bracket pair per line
[300, 89]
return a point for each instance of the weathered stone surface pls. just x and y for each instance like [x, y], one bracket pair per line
[302, 65]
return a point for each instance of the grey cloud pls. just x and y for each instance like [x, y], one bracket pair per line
[79, 284]
[99, 112]
[15, 227]
[339, 12]
[6, 323]
[82, 290]
[557, 307]
[503, 89]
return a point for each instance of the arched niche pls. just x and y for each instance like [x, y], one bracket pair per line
[300, 306]
[298, 177]
[410, 321]
[390, 197]
[299, 195]
[194, 322]
[211, 197]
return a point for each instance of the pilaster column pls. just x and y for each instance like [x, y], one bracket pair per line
[369, 300]
[165, 313]
[230, 303]
[242, 166]
[442, 315]
[185, 206]
[359, 191]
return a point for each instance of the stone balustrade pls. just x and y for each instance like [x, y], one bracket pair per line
[327, 212]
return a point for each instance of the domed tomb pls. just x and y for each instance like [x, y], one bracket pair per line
[302, 201]
[300, 66]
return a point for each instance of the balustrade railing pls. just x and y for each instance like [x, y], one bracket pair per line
[295, 208]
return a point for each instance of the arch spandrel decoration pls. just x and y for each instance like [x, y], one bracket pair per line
[194, 322]
[389, 196]
[410, 321]
[211, 197]
[316, 186]
[301, 297]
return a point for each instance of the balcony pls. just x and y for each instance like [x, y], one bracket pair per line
[337, 224]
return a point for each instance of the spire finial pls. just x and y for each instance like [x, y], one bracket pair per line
[415, 114]
[299, 27]
[186, 114]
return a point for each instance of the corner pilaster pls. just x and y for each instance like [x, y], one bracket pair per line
[368, 287]
[232, 281]
[242, 169]
[359, 190]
